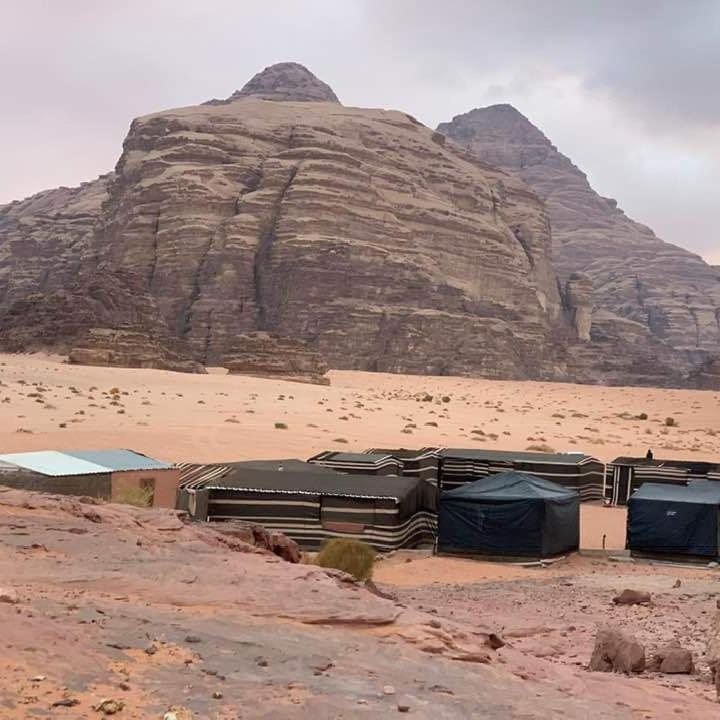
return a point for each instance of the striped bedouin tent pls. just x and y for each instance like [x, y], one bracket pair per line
[625, 475]
[576, 471]
[374, 463]
[423, 463]
[311, 504]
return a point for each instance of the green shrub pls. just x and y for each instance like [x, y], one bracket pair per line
[351, 556]
[137, 496]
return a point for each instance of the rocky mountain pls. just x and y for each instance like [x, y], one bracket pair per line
[360, 233]
[280, 222]
[670, 294]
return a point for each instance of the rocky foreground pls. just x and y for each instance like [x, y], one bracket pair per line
[108, 609]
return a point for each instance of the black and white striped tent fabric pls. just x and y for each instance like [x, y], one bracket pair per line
[576, 471]
[375, 463]
[423, 463]
[311, 504]
[625, 475]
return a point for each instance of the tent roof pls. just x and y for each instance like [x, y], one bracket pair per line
[571, 458]
[283, 465]
[699, 492]
[82, 462]
[510, 486]
[700, 465]
[404, 453]
[242, 477]
[348, 457]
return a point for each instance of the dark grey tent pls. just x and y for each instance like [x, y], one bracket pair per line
[423, 463]
[310, 503]
[627, 474]
[509, 514]
[675, 519]
[575, 471]
[359, 463]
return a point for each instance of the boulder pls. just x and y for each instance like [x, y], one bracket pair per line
[616, 651]
[672, 660]
[265, 355]
[632, 597]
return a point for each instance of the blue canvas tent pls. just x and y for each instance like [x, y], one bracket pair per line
[509, 514]
[675, 519]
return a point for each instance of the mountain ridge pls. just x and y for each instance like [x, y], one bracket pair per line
[365, 238]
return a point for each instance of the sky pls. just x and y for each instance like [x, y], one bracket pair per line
[630, 91]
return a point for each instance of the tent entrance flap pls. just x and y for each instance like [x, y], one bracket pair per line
[513, 528]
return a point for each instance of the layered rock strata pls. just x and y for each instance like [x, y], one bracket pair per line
[636, 276]
[360, 234]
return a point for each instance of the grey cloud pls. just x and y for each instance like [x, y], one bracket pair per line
[600, 79]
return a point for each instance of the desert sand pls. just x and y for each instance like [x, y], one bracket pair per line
[548, 616]
[46, 403]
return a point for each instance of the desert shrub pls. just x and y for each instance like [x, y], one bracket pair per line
[340, 440]
[351, 556]
[280, 426]
[446, 398]
[670, 422]
[137, 496]
[642, 416]
[541, 448]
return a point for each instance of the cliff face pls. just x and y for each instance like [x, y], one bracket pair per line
[361, 234]
[670, 292]
[280, 219]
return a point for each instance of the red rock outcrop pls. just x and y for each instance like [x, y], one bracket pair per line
[266, 355]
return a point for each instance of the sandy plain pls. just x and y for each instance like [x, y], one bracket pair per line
[46, 403]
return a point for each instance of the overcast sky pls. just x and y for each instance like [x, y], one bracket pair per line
[630, 90]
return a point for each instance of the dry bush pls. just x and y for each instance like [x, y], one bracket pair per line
[136, 496]
[351, 556]
[541, 448]
[670, 422]
[281, 426]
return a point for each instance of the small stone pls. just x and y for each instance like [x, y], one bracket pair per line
[632, 597]
[109, 706]
[7, 595]
[388, 690]
[217, 695]
[150, 649]
[192, 639]
[66, 702]
[403, 708]
[262, 662]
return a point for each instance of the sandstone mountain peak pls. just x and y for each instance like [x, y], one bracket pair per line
[644, 291]
[287, 81]
[503, 119]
